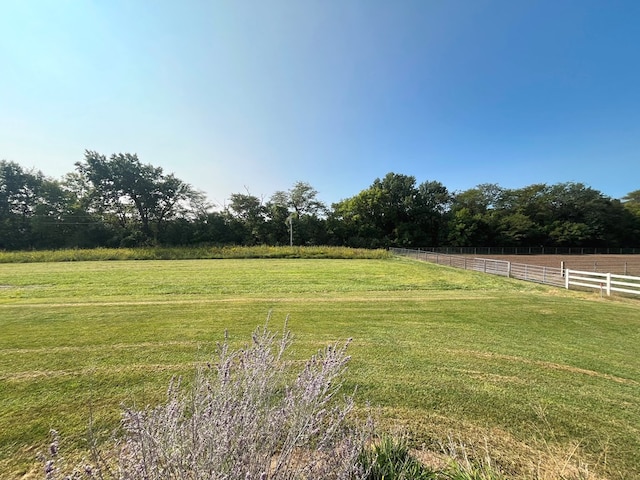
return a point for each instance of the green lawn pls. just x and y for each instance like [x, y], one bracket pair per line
[535, 374]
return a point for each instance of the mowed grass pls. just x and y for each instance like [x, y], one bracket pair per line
[539, 377]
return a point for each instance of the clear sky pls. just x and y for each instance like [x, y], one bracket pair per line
[255, 95]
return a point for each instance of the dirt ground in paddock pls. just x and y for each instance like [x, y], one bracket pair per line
[618, 264]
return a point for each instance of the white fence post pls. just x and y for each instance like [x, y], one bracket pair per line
[567, 273]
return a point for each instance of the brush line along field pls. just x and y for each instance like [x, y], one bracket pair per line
[534, 374]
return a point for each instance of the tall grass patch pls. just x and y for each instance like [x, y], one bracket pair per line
[189, 253]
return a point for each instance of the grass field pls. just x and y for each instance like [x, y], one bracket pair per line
[542, 379]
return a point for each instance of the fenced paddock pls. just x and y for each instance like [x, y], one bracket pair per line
[618, 264]
[548, 275]
[618, 261]
[534, 250]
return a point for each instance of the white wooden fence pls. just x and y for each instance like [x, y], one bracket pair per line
[605, 282]
[557, 277]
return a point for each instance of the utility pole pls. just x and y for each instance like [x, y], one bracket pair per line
[289, 222]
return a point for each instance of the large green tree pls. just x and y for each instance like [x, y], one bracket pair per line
[137, 197]
[35, 211]
[298, 216]
[475, 214]
[247, 218]
[583, 216]
[379, 215]
[431, 214]
[393, 211]
[20, 194]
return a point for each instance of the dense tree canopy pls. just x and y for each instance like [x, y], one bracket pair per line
[394, 211]
[120, 201]
[35, 211]
[134, 196]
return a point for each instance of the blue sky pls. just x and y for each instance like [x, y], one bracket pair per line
[236, 96]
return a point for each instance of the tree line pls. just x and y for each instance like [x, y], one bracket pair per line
[121, 202]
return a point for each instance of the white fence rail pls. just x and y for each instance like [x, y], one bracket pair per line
[605, 282]
[539, 274]
[557, 277]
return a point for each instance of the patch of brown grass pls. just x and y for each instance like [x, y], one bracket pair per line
[439, 441]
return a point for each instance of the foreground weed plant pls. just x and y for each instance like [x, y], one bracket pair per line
[390, 459]
[245, 417]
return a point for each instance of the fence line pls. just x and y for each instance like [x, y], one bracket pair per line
[605, 282]
[534, 250]
[558, 277]
[530, 273]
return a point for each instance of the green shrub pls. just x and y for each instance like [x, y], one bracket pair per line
[390, 459]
